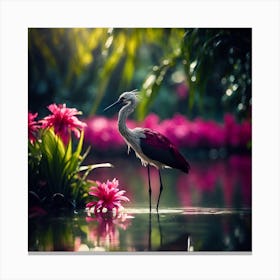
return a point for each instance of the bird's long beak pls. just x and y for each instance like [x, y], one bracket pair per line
[112, 105]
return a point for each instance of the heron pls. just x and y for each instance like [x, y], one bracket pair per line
[151, 147]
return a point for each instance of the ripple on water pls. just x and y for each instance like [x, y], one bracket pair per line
[189, 211]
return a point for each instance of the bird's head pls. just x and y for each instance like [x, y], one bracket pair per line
[128, 97]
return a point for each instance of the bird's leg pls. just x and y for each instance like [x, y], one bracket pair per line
[150, 189]
[160, 190]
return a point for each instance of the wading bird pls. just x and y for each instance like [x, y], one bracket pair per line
[150, 146]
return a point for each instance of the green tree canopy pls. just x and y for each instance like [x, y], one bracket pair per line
[194, 71]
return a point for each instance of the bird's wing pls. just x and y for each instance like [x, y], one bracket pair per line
[159, 148]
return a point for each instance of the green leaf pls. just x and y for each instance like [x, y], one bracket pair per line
[68, 152]
[151, 87]
[94, 166]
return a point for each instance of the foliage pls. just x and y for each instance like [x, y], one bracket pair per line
[55, 169]
[191, 71]
[57, 165]
[217, 65]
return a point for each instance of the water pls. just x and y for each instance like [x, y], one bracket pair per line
[206, 210]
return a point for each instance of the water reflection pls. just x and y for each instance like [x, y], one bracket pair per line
[103, 231]
[182, 243]
[207, 210]
[210, 183]
[178, 230]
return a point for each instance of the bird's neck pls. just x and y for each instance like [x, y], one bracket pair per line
[123, 114]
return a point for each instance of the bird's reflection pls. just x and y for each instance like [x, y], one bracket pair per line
[182, 243]
[150, 232]
[159, 227]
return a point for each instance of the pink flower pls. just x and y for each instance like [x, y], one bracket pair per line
[63, 121]
[102, 133]
[151, 121]
[33, 126]
[183, 132]
[109, 195]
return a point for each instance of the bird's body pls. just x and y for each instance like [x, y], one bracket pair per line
[151, 147]
[155, 149]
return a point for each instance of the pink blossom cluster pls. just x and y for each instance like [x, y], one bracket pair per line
[33, 127]
[109, 196]
[103, 133]
[62, 119]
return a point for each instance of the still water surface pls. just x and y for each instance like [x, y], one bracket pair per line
[206, 210]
